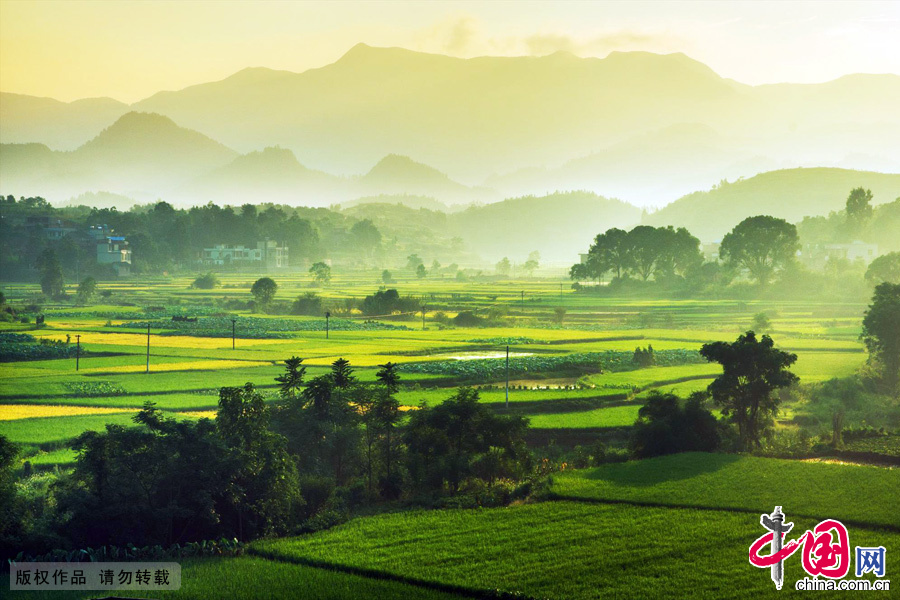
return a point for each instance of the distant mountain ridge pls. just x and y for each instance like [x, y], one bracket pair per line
[789, 194]
[147, 156]
[584, 122]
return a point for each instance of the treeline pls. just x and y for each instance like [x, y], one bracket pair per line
[758, 254]
[323, 448]
[165, 238]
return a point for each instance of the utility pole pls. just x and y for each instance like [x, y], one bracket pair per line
[523, 301]
[148, 347]
[327, 316]
[423, 317]
[77, 350]
[233, 321]
[560, 291]
[507, 377]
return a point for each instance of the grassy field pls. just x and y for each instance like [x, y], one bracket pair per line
[742, 482]
[560, 550]
[187, 368]
[667, 527]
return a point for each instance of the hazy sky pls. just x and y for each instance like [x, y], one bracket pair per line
[129, 50]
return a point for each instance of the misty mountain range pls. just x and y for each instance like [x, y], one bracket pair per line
[642, 127]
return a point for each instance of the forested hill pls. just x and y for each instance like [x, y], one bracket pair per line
[790, 194]
[558, 225]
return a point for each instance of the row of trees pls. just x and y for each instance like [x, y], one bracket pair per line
[762, 245]
[645, 252]
[324, 446]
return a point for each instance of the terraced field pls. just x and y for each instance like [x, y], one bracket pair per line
[189, 361]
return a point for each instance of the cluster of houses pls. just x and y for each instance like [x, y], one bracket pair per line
[115, 251]
[267, 256]
[111, 249]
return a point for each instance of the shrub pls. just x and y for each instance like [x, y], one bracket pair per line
[666, 425]
[206, 282]
[307, 304]
[467, 319]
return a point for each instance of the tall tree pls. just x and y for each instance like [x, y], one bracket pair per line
[388, 376]
[881, 332]
[681, 253]
[666, 425]
[321, 272]
[610, 252]
[646, 245]
[444, 441]
[263, 291]
[762, 245]
[86, 290]
[503, 266]
[885, 268]
[265, 488]
[52, 282]
[751, 371]
[859, 208]
[291, 382]
[365, 235]
[386, 415]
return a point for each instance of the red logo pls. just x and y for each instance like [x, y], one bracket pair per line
[826, 549]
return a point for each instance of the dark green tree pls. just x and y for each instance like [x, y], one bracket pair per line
[763, 245]
[321, 273]
[751, 372]
[207, 281]
[365, 236]
[291, 382]
[52, 282]
[11, 515]
[263, 291]
[307, 304]
[646, 245]
[881, 333]
[859, 208]
[86, 290]
[444, 441]
[838, 396]
[342, 374]
[421, 272]
[885, 268]
[610, 252]
[413, 261]
[265, 487]
[668, 425]
[389, 377]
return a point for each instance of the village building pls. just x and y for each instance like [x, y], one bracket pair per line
[267, 255]
[115, 251]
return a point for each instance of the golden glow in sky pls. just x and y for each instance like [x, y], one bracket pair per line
[130, 50]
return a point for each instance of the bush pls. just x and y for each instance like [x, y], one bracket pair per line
[206, 282]
[386, 302]
[666, 425]
[468, 319]
[307, 304]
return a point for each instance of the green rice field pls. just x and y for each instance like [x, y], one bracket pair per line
[189, 361]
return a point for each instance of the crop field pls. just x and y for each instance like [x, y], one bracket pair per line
[584, 362]
[559, 550]
[741, 482]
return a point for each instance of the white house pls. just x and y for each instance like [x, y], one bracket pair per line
[115, 251]
[268, 255]
[853, 252]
